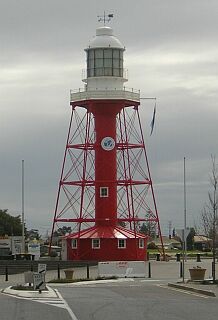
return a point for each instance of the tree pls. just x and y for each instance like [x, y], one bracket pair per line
[209, 219]
[209, 213]
[10, 225]
[190, 239]
[62, 231]
[148, 228]
[33, 234]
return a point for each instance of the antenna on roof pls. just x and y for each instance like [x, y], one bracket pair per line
[105, 18]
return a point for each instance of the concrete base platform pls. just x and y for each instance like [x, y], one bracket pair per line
[186, 287]
[50, 293]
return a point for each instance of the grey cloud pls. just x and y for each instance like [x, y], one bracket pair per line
[171, 53]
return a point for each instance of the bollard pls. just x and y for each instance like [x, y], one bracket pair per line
[147, 256]
[149, 269]
[213, 270]
[87, 271]
[59, 276]
[158, 257]
[198, 257]
[181, 270]
[6, 273]
[178, 257]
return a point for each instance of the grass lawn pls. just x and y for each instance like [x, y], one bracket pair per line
[192, 253]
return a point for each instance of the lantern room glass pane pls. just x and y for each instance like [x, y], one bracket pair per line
[91, 54]
[99, 72]
[116, 63]
[108, 53]
[91, 73]
[104, 62]
[91, 63]
[108, 63]
[99, 63]
[108, 71]
[117, 72]
[99, 53]
[116, 53]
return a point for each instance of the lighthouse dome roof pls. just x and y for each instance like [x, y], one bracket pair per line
[104, 38]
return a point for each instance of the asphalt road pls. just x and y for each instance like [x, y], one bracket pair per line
[138, 299]
[12, 308]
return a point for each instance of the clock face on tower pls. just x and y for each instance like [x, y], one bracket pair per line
[107, 143]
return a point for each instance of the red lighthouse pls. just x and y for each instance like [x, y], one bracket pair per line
[105, 189]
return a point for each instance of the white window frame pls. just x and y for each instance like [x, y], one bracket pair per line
[101, 191]
[74, 246]
[141, 243]
[122, 246]
[94, 245]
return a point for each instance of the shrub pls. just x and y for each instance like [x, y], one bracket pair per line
[151, 245]
[53, 254]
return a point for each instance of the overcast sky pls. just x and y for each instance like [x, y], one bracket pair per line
[171, 53]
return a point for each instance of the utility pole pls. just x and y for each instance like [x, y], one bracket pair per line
[22, 197]
[170, 229]
[185, 214]
[183, 255]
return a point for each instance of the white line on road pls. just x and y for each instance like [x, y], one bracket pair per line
[72, 315]
[56, 302]
[153, 280]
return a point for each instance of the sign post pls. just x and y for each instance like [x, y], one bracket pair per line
[183, 234]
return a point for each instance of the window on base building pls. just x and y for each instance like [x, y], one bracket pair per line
[141, 243]
[95, 243]
[121, 243]
[74, 243]
[103, 192]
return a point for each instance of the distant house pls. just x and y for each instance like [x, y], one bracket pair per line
[167, 243]
[202, 243]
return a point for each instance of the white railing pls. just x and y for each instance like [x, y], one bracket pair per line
[127, 94]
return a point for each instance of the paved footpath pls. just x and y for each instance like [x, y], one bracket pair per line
[79, 273]
[171, 271]
[160, 270]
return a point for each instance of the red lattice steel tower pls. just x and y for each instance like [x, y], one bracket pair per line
[105, 189]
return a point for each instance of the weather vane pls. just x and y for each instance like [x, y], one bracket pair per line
[105, 18]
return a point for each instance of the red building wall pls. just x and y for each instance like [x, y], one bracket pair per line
[108, 250]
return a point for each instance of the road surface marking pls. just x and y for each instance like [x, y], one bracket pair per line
[72, 315]
[182, 291]
[153, 280]
[55, 302]
[52, 302]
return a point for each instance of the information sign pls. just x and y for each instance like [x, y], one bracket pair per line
[42, 268]
[39, 281]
